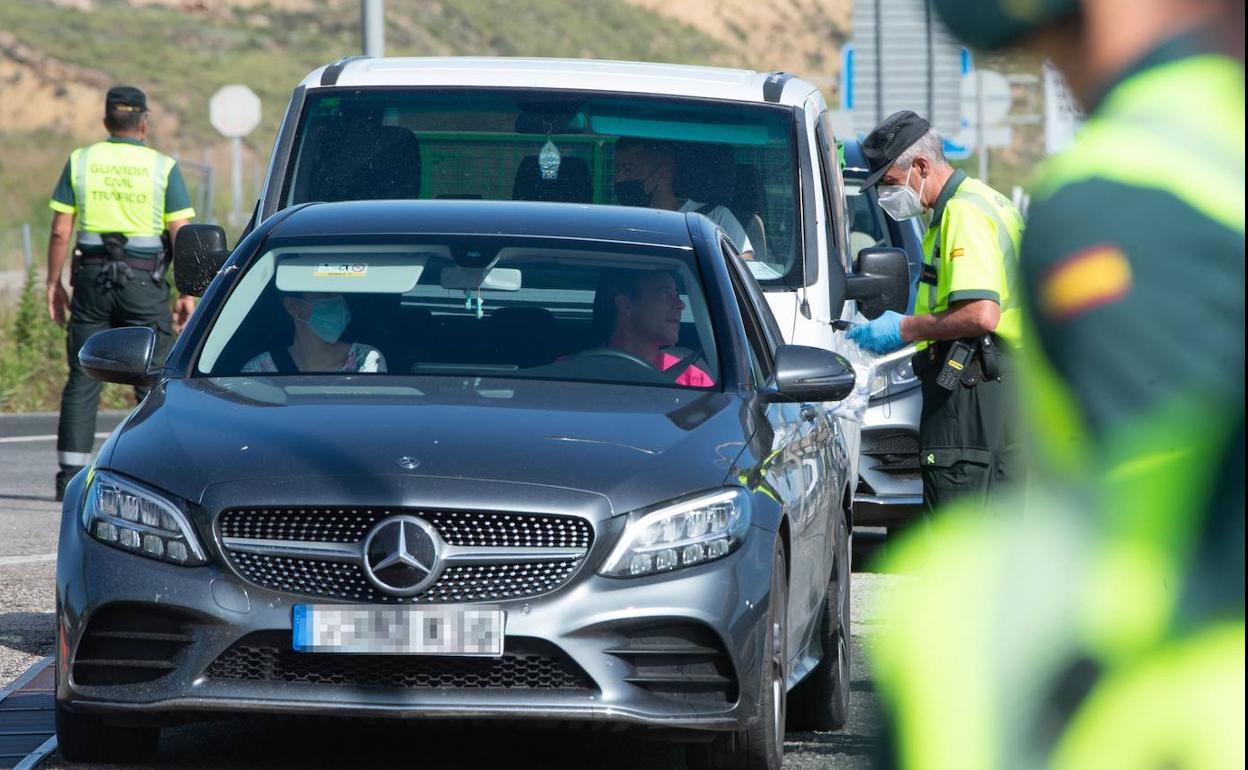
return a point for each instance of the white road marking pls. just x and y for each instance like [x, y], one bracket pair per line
[32, 559]
[45, 437]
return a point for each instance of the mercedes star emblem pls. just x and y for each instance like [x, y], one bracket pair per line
[401, 555]
[409, 463]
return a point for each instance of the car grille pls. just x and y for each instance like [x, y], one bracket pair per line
[894, 453]
[499, 555]
[266, 656]
[124, 644]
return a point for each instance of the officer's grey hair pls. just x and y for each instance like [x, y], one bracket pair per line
[931, 146]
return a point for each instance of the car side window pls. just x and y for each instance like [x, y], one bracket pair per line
[762, 350]
[835, 224]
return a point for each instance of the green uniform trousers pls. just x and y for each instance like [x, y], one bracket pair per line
[99, 304]
[969, 444]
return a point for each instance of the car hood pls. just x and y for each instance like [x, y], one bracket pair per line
[221, 442]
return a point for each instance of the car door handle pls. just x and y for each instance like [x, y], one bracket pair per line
[809, 413]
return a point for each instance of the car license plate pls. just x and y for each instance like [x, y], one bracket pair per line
[389, 630]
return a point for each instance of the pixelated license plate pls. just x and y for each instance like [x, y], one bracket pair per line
[390, 630]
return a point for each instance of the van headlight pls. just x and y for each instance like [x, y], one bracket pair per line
[680, 534]
[125, 515]
[893, 378]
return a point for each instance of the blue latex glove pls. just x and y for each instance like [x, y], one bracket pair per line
[883, 335]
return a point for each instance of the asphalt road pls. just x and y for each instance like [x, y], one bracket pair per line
[28, 527]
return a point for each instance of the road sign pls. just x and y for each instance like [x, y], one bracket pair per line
[1062, 117]
[234, 110]
[993, 103]
[903, 59]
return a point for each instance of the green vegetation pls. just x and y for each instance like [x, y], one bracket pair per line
[32, 358]
[182, 58]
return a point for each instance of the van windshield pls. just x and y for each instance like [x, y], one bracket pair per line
[736, 163]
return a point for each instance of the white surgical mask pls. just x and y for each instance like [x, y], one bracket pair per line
[900, 201]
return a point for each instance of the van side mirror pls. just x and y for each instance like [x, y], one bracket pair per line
[121, 355]
[881, 281]
[199, 251]
[811, 374]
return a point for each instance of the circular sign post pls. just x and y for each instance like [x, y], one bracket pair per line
[234, 110]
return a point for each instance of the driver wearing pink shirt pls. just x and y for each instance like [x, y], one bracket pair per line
[646, 306]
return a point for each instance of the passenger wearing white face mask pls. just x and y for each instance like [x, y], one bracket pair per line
[966, 320]
[320, 320]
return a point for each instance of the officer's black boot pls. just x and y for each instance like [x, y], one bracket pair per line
[63, 477]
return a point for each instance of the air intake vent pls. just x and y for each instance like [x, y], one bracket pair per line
[129, 645]
[528, 664]
[684, 662]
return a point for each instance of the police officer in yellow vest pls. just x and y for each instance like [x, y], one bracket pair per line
[1105, 628]
[966, 319]
[124, 197]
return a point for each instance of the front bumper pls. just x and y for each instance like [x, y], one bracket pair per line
[586, 624]
[890, 485]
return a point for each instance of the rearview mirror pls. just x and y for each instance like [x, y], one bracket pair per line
[812, 374]
[471, 279]
[199, 251]
[881, 281]
[121, 355]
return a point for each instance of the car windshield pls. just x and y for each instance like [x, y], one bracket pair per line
[734, 162]
[453, 306]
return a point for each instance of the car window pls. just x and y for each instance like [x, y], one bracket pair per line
[866, 228]
[733, 162]
[762, 343]
[835, 224]
[459, 305]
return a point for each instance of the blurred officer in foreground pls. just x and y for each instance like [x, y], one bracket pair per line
[124, 196]
[1104, 627]
[966, 318]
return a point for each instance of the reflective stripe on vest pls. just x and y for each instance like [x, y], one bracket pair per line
[137, 241]
[120, 187]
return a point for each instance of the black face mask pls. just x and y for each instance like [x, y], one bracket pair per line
[632, 193]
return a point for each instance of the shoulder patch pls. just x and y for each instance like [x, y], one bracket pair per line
[1087, 279]
[954, 254]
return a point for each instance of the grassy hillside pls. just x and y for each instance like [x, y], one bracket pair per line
[182, 56]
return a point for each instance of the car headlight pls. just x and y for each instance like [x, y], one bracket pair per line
[892, 378]
[125, 515]
[680, 534]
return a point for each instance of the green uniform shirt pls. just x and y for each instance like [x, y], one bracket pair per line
[120, 185]
[977, 232]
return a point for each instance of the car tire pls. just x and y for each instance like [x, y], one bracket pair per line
[821, 701]
[760, 746]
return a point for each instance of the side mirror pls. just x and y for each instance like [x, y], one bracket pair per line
[812, 374]
[199, 251]
[119, 355]
[881, 281]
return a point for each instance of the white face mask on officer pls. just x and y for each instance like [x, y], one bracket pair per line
[900, 201]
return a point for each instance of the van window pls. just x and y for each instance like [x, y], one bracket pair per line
[736, 163]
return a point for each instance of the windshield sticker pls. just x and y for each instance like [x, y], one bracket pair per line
[341, 270]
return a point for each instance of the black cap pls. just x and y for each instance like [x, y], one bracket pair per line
[889, 140]
[125, 99]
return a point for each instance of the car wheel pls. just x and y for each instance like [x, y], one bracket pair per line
[821, 701]
[761, 746]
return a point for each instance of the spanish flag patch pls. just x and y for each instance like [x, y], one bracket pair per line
[1085, 280]
[955, 253]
